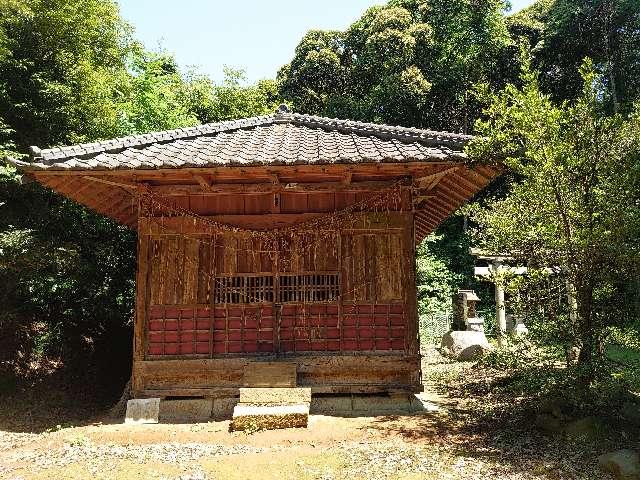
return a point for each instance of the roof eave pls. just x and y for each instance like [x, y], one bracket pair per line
[454, 157]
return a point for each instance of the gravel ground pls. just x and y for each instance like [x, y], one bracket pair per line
[83, 451]
[459, 441]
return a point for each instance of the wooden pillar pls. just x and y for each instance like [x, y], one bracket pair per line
[411, 292]
[140, 317]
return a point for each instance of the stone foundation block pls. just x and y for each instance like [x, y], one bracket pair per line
[223, 407]
[332, 405]
[189, 410]
[381, 404]
[142, 410]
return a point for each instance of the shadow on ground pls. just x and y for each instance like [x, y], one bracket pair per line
[59, 400]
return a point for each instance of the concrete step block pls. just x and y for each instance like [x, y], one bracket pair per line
[280, 396]
[260, 417]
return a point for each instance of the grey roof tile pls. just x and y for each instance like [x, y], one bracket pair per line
[279, 139]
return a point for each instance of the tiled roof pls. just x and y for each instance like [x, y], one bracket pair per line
[280, 139]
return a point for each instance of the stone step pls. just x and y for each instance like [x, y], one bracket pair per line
[279, 396]
[269, 417]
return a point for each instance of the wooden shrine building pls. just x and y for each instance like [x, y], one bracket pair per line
[277, 240]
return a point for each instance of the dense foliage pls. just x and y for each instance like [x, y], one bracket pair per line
[562, 33]
[573, 206]
[409, 62]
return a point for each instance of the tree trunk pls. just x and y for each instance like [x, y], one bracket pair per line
[586, 360]
[611, 68]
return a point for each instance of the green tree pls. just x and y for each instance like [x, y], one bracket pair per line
[149, 95]
[57, 62]
[561, 33]
[231, 99]
[410, 62]
[66, 271]
[573, 204]
[436, 275]
[67, 277]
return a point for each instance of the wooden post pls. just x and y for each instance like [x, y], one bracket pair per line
[411, 293]
[140, 318]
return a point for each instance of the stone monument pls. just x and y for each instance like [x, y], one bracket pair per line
[466, 340]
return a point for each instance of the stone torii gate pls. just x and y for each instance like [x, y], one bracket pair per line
[496, 271]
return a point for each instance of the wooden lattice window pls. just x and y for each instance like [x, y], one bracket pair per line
[313, 287]
[244, 289]
[288, 288]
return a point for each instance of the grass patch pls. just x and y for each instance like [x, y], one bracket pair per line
[623, 354]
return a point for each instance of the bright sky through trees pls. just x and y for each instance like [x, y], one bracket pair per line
[256, 35]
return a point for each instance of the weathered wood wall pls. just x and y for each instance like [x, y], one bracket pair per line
[222, 377]
[189, 309]
[222, 294]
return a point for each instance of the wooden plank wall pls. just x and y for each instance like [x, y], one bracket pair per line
[289, 202]
[182, 270]
[184, 319]
[222, 377]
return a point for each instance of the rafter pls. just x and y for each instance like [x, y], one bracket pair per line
[120, 184]
[429, 182]
[204, 183]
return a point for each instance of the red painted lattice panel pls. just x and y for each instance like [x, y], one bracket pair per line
[241, 329]
[206, 331]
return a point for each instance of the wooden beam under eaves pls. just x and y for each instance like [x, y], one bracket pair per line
[421, 198]
[429, 182]
[204, 183]
[121, 184]
[249, 188]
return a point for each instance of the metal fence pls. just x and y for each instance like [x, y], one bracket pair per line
[433, 326]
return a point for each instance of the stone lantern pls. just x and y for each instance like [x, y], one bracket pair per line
[466, 340]
[465, 315]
